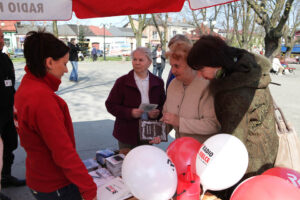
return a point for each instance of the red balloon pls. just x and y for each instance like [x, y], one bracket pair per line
[265, 187]
[287, 174]
[183, 152]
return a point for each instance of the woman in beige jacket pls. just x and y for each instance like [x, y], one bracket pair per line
[189, 107]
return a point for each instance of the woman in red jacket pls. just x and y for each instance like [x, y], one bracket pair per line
[54, 170]
[136, 87]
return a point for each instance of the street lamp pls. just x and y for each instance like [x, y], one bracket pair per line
[104, 25]
[212, 23]
[78, 24]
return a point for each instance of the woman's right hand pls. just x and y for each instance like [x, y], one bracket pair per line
[136, 113]
[156, 140]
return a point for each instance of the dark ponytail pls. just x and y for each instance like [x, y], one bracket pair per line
[40, 45]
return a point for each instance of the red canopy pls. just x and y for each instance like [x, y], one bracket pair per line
[106, 8]
[62, 9]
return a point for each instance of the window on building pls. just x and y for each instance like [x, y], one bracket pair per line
[7, 42]
[174, 33]
[154, 35]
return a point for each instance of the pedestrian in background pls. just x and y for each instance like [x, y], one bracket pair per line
[94, 54]
[9, 137]
[277, 67]
[159, 60]
[54, 170]
[74, 49]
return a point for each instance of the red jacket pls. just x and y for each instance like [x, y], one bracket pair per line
[45, 128]
[125, 96]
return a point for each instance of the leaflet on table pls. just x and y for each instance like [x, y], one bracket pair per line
[101, 176]
[90, 164]
[114, 189]
[146, 107]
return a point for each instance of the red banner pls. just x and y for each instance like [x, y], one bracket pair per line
[107, 8]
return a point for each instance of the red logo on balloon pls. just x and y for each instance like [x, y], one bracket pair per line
[205, 154]
[204, 157]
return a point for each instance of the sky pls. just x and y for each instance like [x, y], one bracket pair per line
[116, 21]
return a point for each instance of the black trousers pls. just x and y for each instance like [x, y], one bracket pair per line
[69, 192]
[10, 141]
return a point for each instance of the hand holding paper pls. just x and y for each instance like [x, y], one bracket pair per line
[156, 140]
[153, 114]
[146, 107]
[136, 112]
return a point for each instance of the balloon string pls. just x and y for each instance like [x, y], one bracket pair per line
[202, 195]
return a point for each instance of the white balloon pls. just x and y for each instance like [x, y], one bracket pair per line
[149, 173]
[221, 162]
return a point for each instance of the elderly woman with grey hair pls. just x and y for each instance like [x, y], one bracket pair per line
[136, 87]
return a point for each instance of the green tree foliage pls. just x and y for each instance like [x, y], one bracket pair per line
[83, 44]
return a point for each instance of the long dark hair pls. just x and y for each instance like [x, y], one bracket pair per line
[213, 51]
[40, 45]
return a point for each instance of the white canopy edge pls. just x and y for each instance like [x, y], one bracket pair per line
[197, 4]
[35, 9]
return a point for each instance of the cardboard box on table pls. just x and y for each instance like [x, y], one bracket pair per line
[114, 164]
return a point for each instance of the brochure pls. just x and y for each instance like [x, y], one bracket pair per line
[115, 189]
[146, 107]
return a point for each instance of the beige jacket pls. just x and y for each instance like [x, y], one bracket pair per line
[194, 105]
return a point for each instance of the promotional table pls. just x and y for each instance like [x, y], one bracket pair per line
[207, 196]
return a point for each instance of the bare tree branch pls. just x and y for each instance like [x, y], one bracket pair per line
[138, 31]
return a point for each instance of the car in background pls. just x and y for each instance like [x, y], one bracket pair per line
[292, 60]
[18, 53]
[80, 56]
[83, 54]
[99, 53]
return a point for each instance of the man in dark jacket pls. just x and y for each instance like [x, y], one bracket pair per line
[7, 129]
[74, 49]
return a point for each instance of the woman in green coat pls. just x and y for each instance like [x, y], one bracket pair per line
[243, 102]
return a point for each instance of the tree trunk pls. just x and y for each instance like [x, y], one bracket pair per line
[164, 23]
[55, 30]
[138, 31]
[138, 40]
[272, 24]
[272, 43]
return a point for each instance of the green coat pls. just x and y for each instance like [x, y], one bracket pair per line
[244, 107]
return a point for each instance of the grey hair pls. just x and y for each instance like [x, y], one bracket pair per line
[179, 37]
[143, 50]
